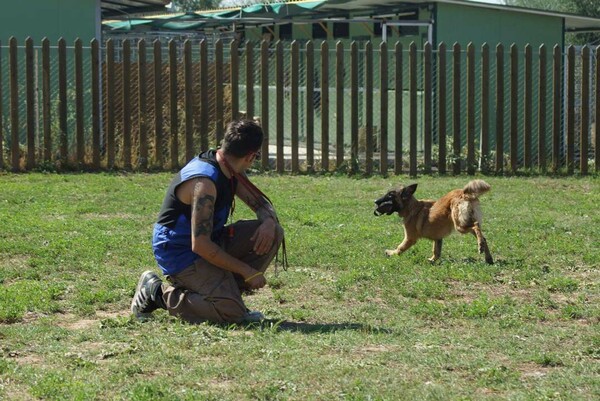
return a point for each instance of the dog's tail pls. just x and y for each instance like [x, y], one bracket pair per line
[476, 188]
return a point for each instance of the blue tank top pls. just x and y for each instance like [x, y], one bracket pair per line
[172, 236]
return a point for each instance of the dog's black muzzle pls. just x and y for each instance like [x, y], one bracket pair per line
[385, 205]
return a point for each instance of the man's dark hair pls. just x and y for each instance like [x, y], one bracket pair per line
[242, 137]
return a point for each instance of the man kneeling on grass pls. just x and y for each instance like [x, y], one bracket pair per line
[207, 263]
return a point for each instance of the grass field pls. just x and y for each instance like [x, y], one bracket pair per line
[345, 322]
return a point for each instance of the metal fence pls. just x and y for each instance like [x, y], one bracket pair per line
[323, 106]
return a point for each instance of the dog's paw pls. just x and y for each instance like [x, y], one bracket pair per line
[390, 252]
[432, 259]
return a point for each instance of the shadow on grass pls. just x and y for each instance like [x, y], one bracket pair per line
[303, 327]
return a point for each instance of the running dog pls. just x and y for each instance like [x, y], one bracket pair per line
[435, 220]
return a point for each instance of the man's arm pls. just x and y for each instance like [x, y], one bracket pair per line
[203, 204]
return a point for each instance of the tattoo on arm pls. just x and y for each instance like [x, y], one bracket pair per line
[202, 213]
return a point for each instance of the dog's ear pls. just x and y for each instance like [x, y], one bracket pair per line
[408, 191]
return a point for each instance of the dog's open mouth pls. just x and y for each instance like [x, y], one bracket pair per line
[384, 207]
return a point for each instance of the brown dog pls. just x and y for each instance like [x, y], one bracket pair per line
[435, 220]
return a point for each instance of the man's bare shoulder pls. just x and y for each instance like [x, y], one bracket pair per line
[200, 185]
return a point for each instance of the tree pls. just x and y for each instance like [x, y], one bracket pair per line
[589, 8]
[194, 5]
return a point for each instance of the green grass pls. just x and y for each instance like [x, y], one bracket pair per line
[346, 323]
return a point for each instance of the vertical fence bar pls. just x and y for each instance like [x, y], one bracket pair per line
[79, 109]
[310, 106]
[456, 109]
[264, 88]
[174, 117]
[96, 71]
[324, 106]
[412, 62]
[188, 72]
[234, 65]
[570, 112]
[484, 144]
[294, 102]
[62, 100]
[542, 93]
[126, 102]
[46, 105]
[556, 107]
[14, 104]
[398, 85]
[339, 95]
[514, 108]
[499, 162]
[427, 108]
[384, 108]
[528, 108]
[470, 109]
[204, 102]
[158, 105]
[442, 122]
[30, 101]
[585, 110]
[142, 105]
[597, 114]
[279, 110]
[249, 80]
[1, 116]
[219, 96]
[354, 107]
[110, 104]
[369, 108]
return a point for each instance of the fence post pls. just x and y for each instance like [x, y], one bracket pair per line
[142, 105]
[427, 110]
[294, 70]
[368, 108]
[470, 108]
[218, 93]
[126, 102]
[456, 110]
[528, 108]
[499, 108]
[339, 104]
[62, 100]
[14, 104]
[384, 108]
[570, 112]
[354, 107]
[597, 113]
[204, 102]
[234, 65]
[542, 93]
[188, 72]
[249, 80]
[96, 71]
[158, 104]
[556, 107]
[30, 101]
[485, 109]
[279, 86]
[514, 107]
[324, 106]
[1, 116]
[442, 127]
[174, 117]
[110, 104]
[310, 106]
[585, 110]
[264, 89]
[412, 62]
[79, 110]
[398, 84]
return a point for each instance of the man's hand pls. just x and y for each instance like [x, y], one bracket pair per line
[264, 237]
[256, 280]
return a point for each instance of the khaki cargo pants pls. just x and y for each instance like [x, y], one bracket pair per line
[205, 292]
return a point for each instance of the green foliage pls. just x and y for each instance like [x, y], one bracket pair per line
[345, 321]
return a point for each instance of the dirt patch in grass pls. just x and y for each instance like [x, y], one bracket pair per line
[70, 321]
